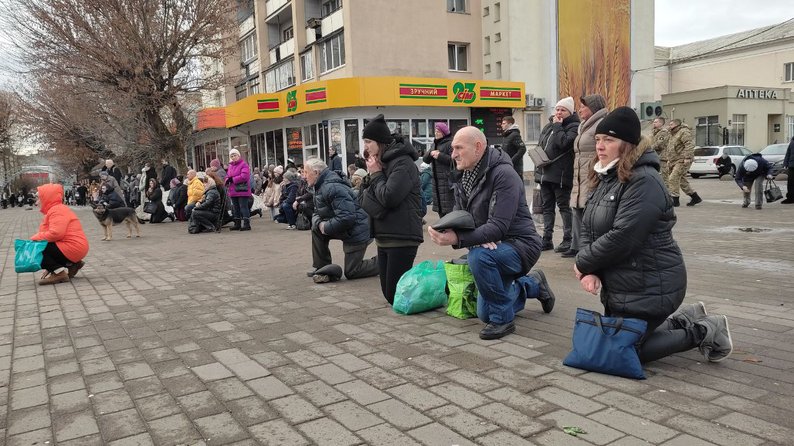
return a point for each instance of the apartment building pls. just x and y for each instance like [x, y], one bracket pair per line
[311, 72]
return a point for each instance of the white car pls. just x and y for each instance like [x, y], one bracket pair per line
[705, 159]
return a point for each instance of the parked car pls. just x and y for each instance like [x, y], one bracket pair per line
[775, 153]
[705, 159]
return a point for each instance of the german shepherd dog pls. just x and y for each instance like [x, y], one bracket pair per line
[111, 217]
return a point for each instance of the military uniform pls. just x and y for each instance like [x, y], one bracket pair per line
[680, 154]
[661, 137]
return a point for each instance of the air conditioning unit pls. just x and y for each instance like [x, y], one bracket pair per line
[314, 22]
[529, 100]
[540, 102]
[650, 110]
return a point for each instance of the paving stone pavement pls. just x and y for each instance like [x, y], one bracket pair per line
[222, 339]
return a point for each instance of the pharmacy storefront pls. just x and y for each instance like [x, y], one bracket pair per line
[753, 117]
[307, 120]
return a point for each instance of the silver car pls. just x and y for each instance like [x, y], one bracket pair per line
[704, 162]
[774, 154]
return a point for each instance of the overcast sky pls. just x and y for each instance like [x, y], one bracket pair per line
[685, 21]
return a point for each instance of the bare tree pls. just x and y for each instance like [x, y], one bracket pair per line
[8, 124]
[139, 59]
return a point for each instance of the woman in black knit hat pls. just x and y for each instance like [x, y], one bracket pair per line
[390, 195]
[627, 250]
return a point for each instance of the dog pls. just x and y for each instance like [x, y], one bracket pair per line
[111, 217]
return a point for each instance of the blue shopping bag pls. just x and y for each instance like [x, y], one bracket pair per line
[606, 344]
[29, 255]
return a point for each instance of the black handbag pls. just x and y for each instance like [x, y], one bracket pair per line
[150, 207]
[302, 222]
[772, 192]
[241, 187]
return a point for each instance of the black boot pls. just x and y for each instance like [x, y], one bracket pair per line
[246, 224]
[676, 202]
[695, 199]
[545, 294]
[236, 226]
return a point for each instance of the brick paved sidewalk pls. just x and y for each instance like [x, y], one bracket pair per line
[222, 339]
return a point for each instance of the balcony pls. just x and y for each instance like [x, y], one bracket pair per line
[273, 6]
[328, 25]
[282, 51]
[247, 25]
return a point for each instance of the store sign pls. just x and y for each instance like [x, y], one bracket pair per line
[464, 92]
[489, 120]
[267, 105]
[757, 93]
[423, 91]
[500, 94]
[316, 96]
[292, 101]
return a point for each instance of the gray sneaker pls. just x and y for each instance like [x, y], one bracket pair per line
[687, 314]
[717, 344]
[321, 278]
[545, 295]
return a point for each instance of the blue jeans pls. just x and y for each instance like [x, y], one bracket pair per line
[502, 288]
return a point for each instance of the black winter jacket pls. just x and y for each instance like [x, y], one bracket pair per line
[335, 204]
[111, 198]
[391, 197]
[514, 147]
[557, 138]
[211, 201]
[745, 178]
[498, 204]
[627, 242]
[443, 198]
[335, 164]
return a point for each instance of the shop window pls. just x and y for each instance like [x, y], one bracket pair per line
[399, 126]
[458, 54]
[352, 139]
[707, 131]
[295, 145]
[307, 66]
[789, 68]
[532, 127]
[457, 124]
[456, 6]
[275, 147]
[332, 53]
[736, 135]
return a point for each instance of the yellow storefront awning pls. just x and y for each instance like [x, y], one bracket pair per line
[373, 92]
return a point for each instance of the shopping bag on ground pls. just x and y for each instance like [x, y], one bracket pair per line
[462, 303]
[29, 255]
[772, 192]
[606, 344]
[421, 288]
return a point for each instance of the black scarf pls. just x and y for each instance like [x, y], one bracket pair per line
[469, 177]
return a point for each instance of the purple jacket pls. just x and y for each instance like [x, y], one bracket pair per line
[238, 173]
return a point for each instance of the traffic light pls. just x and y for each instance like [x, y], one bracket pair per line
[650, 110]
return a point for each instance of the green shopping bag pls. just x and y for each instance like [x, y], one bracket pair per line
[421, 288]
[29, 255]
[462, 291]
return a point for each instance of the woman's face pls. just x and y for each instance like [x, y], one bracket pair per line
[607, 148]
[438, 133]
[584, 112]
[371, 148]
[152, 182]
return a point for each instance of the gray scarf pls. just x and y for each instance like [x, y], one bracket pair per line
[470, 176]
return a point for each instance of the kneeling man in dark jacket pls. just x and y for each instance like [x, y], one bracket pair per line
[504, 245]
[337, 215]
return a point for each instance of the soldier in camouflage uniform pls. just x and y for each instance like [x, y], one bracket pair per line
[661, 136]
[680, 153]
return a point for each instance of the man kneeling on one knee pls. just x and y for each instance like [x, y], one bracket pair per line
[504, 245]
[337, 215]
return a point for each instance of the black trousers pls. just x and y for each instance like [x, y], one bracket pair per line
[53, 258]
[664, 337]
[552, 195]
[356, 267]
[790, 184]
[392, 264]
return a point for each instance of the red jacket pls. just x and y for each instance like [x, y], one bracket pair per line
[60, 224]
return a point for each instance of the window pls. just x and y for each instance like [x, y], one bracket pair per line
[498, 70]
[486, 45]
[458, 56]
[497, 12]
[487, 68]
[280, 77]
[331, 6]
[287, 34]
[456, 6]
[248, 48]
[707, 131]
[253, 85]
[486, 11]
[307, 66]
[736, 132]
[497, 37]
[332, 53]
[789, 127]
[789, 68]
[532, 127]
[240, 91]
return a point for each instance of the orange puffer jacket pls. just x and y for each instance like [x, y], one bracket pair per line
[60, 224]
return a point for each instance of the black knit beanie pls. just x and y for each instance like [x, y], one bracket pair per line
[622, 123]
[594, 102]
[377, 130]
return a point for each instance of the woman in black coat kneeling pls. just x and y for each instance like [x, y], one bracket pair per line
[628, 252]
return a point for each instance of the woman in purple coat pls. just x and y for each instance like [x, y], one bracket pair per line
[237, 183]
